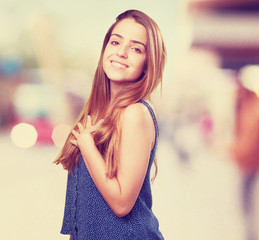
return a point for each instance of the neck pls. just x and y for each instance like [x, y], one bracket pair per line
[116, 87]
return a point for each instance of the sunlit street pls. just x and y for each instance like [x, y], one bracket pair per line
[207, 186]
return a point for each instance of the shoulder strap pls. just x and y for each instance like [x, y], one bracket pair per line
[153, 117]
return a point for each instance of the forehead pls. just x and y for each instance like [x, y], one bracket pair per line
[131, 30]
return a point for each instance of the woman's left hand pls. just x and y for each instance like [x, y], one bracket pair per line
[84, 134]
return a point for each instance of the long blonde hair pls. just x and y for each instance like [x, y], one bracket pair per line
[99, 104]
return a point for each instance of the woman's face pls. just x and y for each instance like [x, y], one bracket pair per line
[124, 57]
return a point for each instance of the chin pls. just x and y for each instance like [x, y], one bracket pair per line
[117, 78]
[122, 80]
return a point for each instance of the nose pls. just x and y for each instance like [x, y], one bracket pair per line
[122, 52]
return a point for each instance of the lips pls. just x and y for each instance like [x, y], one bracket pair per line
[119, 65]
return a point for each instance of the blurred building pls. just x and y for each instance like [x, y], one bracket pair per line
[230, 27]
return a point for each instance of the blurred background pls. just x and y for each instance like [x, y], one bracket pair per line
[207, 184]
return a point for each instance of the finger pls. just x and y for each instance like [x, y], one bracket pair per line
[84, 122]
[100, 122]
[89, 122]
[97, 126]
[80, 127]
[75, 133]
[74, 142]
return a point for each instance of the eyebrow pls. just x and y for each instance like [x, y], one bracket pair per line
[134, 41]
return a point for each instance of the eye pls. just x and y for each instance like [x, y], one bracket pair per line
[114, 42]
[136, 49]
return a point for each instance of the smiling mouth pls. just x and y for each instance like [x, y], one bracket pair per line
[119, 65]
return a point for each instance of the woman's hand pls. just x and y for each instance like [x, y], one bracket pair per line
[84, 135]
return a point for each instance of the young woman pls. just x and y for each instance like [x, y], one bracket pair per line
[112, 146]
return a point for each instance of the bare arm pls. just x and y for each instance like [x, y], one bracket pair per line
[137, 139]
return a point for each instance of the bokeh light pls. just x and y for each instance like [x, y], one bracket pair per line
[24, 135]
[34, 100]
[60, 133]
[249, 76]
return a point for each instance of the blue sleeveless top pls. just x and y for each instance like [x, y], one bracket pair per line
[87, 216]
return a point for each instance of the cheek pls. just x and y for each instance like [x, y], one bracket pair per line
[141, 65]
[108, 51]
[105, 56]
[103, 62]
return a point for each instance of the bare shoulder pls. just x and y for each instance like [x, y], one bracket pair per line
[138, 114]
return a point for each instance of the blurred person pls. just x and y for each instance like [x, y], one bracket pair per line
[112, 146]
[10, 78]
[246, 151]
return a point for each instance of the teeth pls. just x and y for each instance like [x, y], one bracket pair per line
[118, 64]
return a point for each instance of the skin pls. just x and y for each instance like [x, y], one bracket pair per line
[124, 57]
[138, 132]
